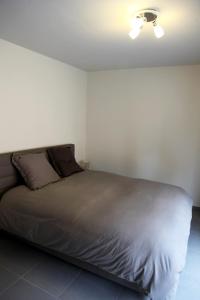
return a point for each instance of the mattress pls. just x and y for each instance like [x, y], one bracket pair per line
[132, 230]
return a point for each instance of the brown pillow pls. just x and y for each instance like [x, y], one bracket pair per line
[35, 169]
[63, 160]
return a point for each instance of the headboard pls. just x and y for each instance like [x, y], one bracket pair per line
[9, 177]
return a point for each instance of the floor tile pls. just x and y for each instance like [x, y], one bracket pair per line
[127, 294]
[89, 287]
[6, 279]
[25, 291]
[18, 257]
[53, 275]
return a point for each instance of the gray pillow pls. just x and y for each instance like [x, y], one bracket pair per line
[35, 169]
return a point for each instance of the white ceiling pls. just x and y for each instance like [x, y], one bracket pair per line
[93, 34]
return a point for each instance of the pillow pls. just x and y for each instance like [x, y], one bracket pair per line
[35, 169]
[63, 160]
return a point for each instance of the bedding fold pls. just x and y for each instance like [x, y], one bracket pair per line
[132, 229]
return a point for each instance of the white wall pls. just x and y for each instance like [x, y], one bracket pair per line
[42, 101]
[141, 123]
[146, 123]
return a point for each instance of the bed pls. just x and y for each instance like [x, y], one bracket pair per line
[131, 231]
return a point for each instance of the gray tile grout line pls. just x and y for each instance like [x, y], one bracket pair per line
[38, 287]
[4, 267]
[29, 270]
[8, 287]
[19, 277]
[13, 283]
[32, 283]
[22, 277]
[70, 284]
[15, 273]
[44, 290]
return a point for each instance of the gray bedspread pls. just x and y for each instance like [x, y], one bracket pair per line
[133, 229]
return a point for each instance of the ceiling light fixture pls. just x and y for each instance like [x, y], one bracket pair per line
[142, 17]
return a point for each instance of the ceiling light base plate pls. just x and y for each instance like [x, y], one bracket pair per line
[150, 15]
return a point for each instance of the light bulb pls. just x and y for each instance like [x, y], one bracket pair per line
[134, 33]
[158, 31]
[137, 22]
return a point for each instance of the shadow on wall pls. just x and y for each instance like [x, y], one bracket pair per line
[145, 123]
[157, 148]
[170, 152]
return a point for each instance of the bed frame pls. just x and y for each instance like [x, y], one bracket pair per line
[9, 178]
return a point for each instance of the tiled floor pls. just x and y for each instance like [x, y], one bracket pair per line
[28, 274]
